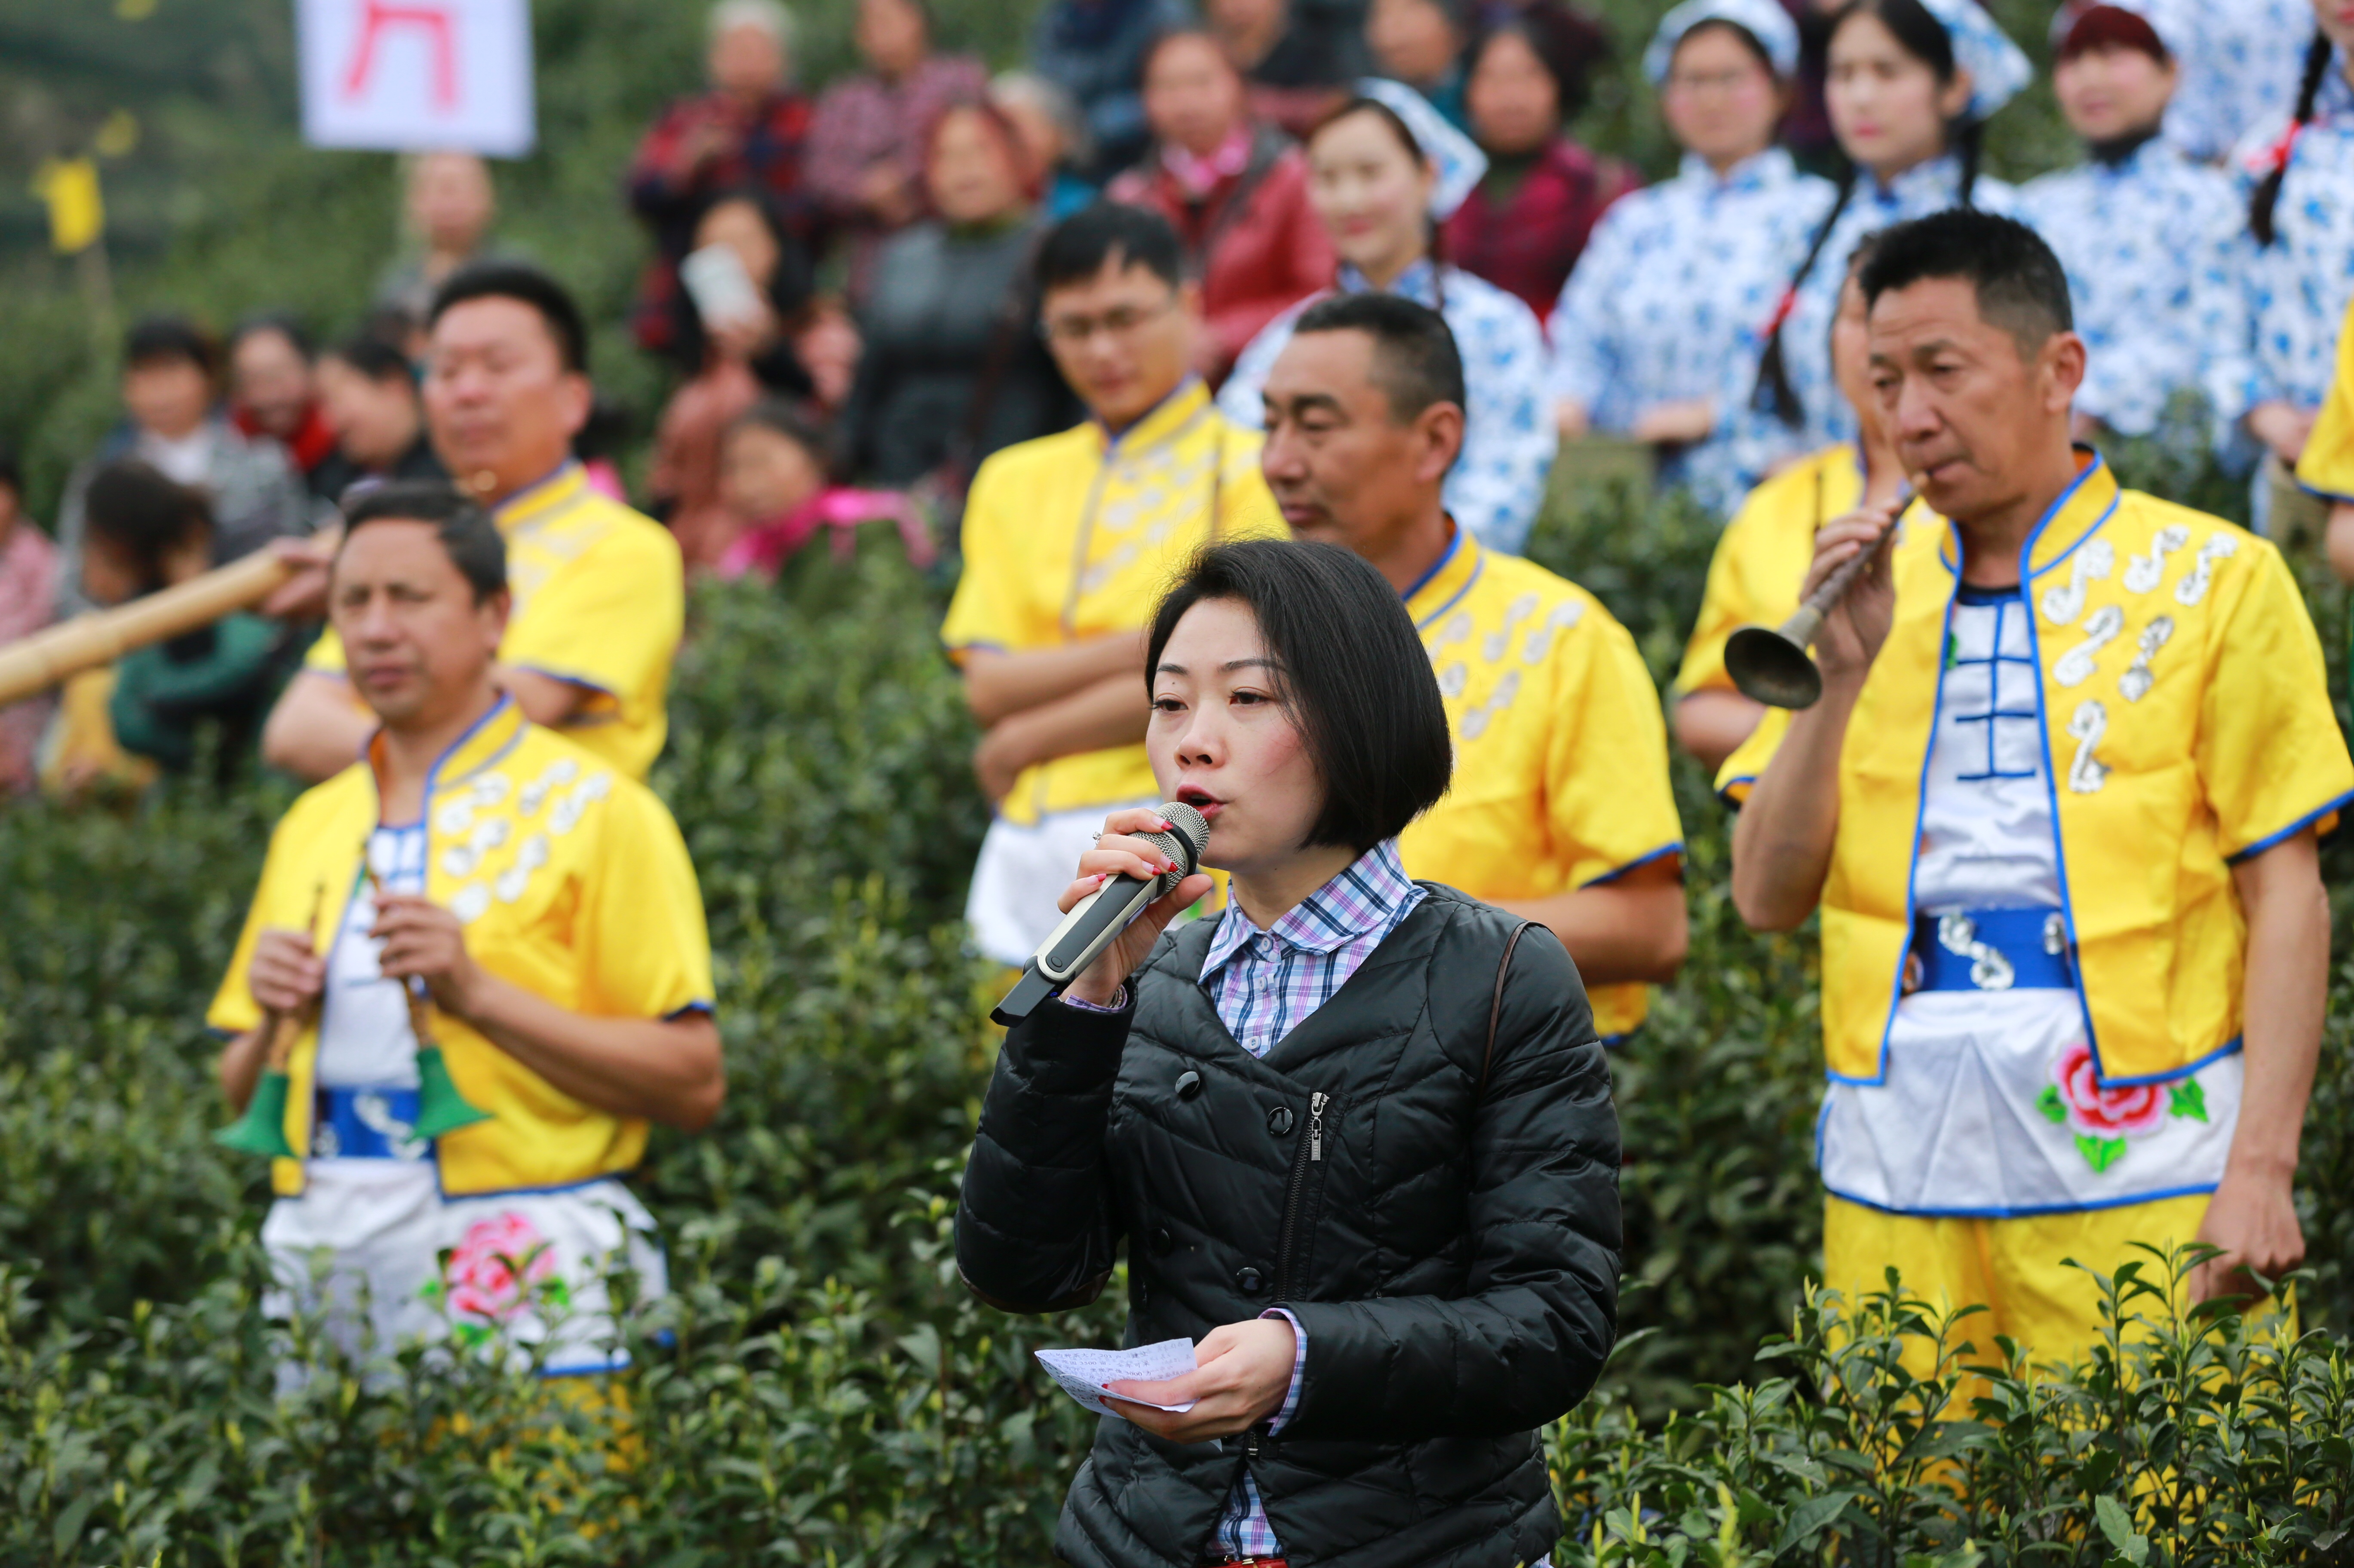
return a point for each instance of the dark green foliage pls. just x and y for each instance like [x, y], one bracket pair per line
[828, 1390]
[1892, 1436]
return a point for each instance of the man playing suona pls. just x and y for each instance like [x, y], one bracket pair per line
[1068, 541]
[1561, 810]
[541, 901]
[600, 592]
[2058, 805]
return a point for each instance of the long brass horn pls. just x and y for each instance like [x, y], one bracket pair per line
[1770, 664]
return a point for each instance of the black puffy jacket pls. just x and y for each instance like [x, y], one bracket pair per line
[1443, 1222]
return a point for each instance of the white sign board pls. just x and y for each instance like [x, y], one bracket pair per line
[405, 75]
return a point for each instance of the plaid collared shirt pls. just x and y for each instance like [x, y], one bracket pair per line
[1264, 985]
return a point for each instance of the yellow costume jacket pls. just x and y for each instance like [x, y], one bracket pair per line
[599, 600]
[1074, 536]
[2327, 465]
[2188, 724]
[571, 881]
[1561, 754]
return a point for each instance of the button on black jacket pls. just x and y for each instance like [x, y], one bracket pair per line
[1443, 1222]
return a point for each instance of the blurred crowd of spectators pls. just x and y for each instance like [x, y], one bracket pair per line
[842, 279]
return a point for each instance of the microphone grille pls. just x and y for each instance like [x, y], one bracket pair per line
[1191, 829]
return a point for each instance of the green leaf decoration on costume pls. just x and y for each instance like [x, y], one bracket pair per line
[1952, 651]
[2100, 1153]
[557, 1292]
[2054, 1109]
[2186, 1098]
[430, 1290]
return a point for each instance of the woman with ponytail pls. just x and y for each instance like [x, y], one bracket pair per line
[1910, 86]
[1384, 171]
[2296, 261]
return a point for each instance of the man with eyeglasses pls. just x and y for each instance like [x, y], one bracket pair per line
[1067, 541]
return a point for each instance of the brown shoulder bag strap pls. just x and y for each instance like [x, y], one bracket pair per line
[1495, 1008]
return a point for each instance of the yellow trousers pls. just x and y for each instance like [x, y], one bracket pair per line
[2012, 1268]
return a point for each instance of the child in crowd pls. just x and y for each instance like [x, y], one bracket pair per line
[2295, 262]
[1911, 85]
[28, 597]
[146, 532]
[1676, 275]
[777, 496]
[2143, 232]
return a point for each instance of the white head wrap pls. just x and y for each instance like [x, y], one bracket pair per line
[1997, 69]
[1764, 20]
[1461, 163]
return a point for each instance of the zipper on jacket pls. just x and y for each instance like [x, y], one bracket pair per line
[1310, 1152]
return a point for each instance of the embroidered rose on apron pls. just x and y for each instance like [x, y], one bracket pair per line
[495, 1272]
[2104, 1118]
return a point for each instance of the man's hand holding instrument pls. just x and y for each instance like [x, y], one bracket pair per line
[1845, 610]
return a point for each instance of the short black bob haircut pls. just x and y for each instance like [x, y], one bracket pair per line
[473, 540]
[1079, 247]
[513, 281]
[1415, 361]
[2021, 285]
[1348, 664]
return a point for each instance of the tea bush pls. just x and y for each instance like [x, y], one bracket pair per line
[818, 1388]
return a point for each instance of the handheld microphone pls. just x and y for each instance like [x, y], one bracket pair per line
[1104, 914]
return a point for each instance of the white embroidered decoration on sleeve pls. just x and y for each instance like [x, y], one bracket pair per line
[2138, 678]
[1452, 680]
[1539, 642]
[470, 903]
[2086, 726]
[2075, 667]
[1500, 639]
[2092, 563]
[1475, 723]
[2144, 573]
[2202, 575]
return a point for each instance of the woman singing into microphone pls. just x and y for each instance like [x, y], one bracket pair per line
[1358, 1132]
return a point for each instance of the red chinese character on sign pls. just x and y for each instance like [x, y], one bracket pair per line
[377, 18]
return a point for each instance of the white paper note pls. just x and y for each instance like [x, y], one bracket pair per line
[1083, 1373]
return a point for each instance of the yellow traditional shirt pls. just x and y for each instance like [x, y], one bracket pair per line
[1560, 754]
[599, 600]
[1762, 556]
[571, 881]
[1074, 535]
[2327, 466]
[2187, 725]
